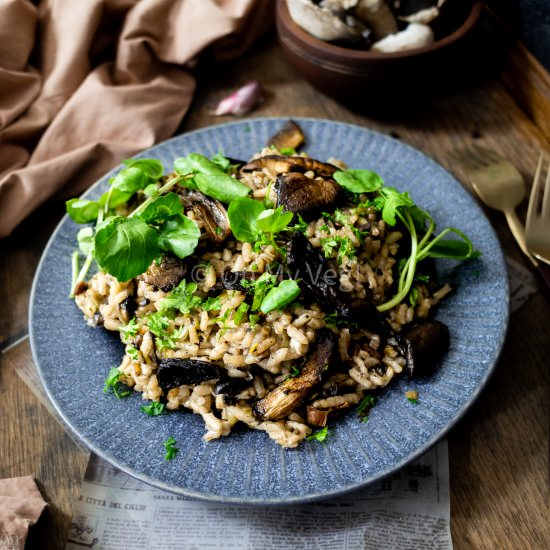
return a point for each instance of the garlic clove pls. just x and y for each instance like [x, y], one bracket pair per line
[241, 101]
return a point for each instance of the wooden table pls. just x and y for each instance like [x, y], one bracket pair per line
[498, 451]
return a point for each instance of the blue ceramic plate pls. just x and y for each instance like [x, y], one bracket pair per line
[247, 466]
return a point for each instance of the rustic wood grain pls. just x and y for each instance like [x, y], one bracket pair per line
[498, 451]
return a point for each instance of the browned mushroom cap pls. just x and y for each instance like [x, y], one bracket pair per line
[279, 164]
[319, 416]
[210, 214]
[288, 395]
[166, 274]
[290, 136]
[425, 344]
[299, 193]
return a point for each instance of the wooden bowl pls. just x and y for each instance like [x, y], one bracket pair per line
[357, 76]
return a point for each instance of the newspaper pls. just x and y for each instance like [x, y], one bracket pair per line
[408, 510]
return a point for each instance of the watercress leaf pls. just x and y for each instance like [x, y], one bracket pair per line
[179, 235]
[280, 296]
[152, 167]
[130, 180]
[183, 166]
[85, 238]
[419, 217]
[113, 197]
[453, 248]
[125, 247]
[210, 178]
[243, 215]
[223, 162]
[151, 189]
[203, 165]
[394, 200]
[82, 210]
[274, 220]
[221, 186]
[162, 208]
[359, 181]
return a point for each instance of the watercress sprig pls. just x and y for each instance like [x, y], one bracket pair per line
[424, 243]
[209, 177]
[125, 246]
[252, 222]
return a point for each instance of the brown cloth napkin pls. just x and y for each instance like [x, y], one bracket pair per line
[20, 507]
[85, 84]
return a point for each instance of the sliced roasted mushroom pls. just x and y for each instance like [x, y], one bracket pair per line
[317, 416]
[166, 274]
[209, 213]
[230, 386]
[128, 308]
[288, 395]
[173, 373]
[278, 164]
[425, 344]
[300, 194]
[307, 263]
[290, 136]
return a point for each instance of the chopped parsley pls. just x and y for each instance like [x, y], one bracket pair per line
[240, 313]
[171, 449]
[412, 396]
[182, 298]
[113, 383]
[294, 372]
[130, 330]
[132, 352]
[153, 409]
[343, 246]
[319, 435]
[301, 225]
[364, 407]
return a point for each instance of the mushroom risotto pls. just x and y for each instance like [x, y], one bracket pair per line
[275, 293]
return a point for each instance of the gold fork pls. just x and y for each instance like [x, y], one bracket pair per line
[499, 184]
[537, 225]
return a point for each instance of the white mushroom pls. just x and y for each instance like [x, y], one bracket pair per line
[321, 22]
[418, 11]
[415, 35]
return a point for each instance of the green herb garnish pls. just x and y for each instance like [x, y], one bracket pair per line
[209, 178]
[412, 396]
[395, 206]
[294, 372]
[171, 449]
[319, 435]
[113, 383]
[153, 409]
[364, 407]
[280, 296]
[125, 246]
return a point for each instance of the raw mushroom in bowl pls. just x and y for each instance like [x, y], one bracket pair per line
[378, 25]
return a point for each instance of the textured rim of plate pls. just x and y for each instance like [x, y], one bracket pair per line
[310, 497]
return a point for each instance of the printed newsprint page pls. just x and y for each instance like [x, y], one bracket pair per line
[409, 510]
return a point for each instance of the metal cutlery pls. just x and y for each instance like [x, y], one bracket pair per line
[500, 185]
